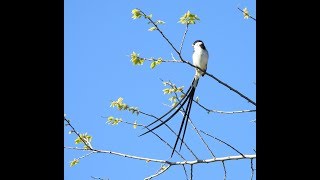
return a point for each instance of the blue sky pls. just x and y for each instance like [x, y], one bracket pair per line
[99, 37]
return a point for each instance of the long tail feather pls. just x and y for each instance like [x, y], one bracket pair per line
[177, 110]
[186, 116]
[158, 119]
[184, 120]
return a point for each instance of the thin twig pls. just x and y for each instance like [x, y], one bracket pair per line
[252, 170]
[213, 160]
[225, 170]
[247, 14]
[222, 142]
[165, 142]
[171, 131]
[202, 138]
[184, 36]
[98, 178]
[74, 130]
[162, 170]
[191, 171]
[152, 59]
[160, 31]
[185, 172]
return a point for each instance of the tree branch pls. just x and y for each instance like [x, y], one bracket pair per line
[162, 170]
[218, 80]
[225, 171]
[222, 142]
[191, 171]
[213, 160]
[252, 170]
[185, 172]
[73, 130]
[171, 131]
[165, 142]
[184, 36]
[194, 127]
[247, 14]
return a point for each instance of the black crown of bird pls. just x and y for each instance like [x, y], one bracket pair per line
[187, 98]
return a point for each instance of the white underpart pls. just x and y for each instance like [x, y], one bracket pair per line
[200, 59]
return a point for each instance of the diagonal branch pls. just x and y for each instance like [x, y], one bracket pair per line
[162, 170]
[165, 142]
[185, 172]
[247, 14]
[218, 80]
[222, 142]
[225, 171]
[170, 130]
[194, 127]
[74, 130]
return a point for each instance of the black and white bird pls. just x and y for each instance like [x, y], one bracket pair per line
[200, 58]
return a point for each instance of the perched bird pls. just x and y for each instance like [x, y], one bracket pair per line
[200, 58]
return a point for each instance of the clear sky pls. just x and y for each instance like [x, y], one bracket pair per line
[99, 37]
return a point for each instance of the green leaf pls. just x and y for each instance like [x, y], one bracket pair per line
[173, 98]
[114, 121]
[78, 141]
[153, 64]
[135, 59]
[166, 91]
[245, 13]
[159, 22]
[136, 14]
[188, 18]
[152, 28]
[135, 124]
[74, 162]
[174, 104]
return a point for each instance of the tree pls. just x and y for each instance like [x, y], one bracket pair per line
[186, 162]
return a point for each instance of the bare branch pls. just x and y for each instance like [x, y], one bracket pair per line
[197, 131]
[184, 36]
[185, 172]
[227, 158]
[191, 171]
[160, 32]
[97, 178]
[225, 171]
[194, 127]
[171, 131]
[162, 170]
[247, 14]
[165, 142]
[152, 59]
[222, 142]
[73, 130]
[252, 170]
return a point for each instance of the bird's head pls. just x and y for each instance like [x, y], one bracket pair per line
[197, 44]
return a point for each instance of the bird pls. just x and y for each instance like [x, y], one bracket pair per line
[200, 58]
